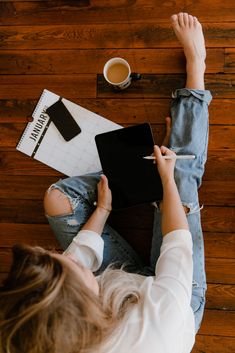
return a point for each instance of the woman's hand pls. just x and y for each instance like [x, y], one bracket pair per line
[104, 194]
[165, 166]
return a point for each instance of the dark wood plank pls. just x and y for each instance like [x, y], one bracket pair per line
[222, 111]
[22, 211]
[31, 86]
[220, 193]
[79, 36]
[32, 234]
[216, 344]
[221, 137]
[160, 86]
[229, 65]
[220, 270]
[84, 86]
[98, 11]
[130, 111]
[217, 193]
[220, 297]
[220, 245]
[220, 166]
[54, 62]
[26, 188]
[17, 163]
[218, 219]
[62, 45]
[218, 323]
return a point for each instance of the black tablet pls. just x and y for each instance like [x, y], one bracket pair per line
[132, 179]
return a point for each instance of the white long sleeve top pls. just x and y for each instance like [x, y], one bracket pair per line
[163, 321]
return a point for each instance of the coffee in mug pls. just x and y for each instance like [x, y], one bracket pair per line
[117, 72]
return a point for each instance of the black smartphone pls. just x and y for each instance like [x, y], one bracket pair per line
[63, 120]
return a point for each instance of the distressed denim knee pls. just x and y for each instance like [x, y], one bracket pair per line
[56, 203]
[80, 192]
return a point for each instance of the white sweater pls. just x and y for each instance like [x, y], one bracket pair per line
[163, 322]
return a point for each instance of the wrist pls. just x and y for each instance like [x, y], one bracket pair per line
[168, 182]
[103, 209]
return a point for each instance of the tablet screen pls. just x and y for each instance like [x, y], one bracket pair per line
[132, 179]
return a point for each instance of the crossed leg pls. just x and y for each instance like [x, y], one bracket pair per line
[189, 135]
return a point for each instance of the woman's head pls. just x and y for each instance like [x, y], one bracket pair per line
[48, 303]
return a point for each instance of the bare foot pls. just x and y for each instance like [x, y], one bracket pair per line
[188, 30]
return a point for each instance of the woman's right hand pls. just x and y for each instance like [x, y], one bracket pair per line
[165, 166]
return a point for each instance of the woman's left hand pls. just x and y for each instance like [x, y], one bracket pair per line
[104, 194]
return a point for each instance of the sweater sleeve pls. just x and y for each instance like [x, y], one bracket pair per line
[87, 247]
[174, 268]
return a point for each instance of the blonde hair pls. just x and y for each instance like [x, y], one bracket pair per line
[45, 308]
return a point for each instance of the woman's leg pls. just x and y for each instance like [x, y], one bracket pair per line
[68, 205]
[189, 135]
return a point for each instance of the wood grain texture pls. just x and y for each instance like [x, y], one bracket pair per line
[218, 323]
[229, 63]
[91, 61]
[161, 86]
[220, 165]
[33, 187]
[221, 137]
[220, 245]
[128, 111]
[31, 86]
[87, 36]
[103, 11]
[62, 46]
[213, 344]
[220, 296]
[218, 219]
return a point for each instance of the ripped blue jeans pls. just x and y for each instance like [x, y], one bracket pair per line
[189, 135]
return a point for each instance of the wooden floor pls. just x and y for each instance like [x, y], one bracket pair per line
[62, 46]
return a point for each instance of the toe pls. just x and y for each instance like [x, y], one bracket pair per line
[181, 19]
[186, 19]
[174, 21]
[195, 21]
[174, 18]
[191, 21]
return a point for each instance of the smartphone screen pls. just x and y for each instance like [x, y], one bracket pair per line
[63, 120]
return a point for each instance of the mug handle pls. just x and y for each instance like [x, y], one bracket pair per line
[134, 76]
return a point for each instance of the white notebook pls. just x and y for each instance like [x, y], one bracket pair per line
[41, 139]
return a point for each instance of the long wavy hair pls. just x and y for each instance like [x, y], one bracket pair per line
[45, 307]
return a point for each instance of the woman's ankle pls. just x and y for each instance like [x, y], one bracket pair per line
[195, 74]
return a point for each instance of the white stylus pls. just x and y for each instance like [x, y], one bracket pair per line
[185, 156]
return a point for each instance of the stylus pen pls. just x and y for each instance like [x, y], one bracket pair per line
[185, 156]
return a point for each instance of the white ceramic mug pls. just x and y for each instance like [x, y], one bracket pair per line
[117, 72]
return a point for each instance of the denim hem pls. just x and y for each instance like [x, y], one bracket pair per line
[203, 95]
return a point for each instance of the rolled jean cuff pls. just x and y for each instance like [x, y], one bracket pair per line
[203, 95]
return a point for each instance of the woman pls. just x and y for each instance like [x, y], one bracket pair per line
[54, 303]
